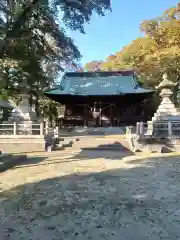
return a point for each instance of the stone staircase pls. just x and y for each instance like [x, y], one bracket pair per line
[91, 139]
[92, 143]
[113, 146]
[63, 143]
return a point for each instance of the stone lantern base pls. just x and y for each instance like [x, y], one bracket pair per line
[164, 128]
[24, 116]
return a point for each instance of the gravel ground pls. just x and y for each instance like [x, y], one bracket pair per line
[91, 195]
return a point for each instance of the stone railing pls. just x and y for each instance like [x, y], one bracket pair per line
[158, 129]
[22, 129]
[153, 136]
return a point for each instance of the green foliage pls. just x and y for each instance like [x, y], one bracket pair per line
[34, 46]
[49, 109]
[75, 13]
[92, 66]
[155, 53]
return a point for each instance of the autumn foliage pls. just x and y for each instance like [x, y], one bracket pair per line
[156, 52]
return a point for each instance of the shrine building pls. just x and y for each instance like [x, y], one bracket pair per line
[101, 98]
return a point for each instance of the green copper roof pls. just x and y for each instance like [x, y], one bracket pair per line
[89, 85]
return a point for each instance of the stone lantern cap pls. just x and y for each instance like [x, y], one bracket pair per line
[166, 83]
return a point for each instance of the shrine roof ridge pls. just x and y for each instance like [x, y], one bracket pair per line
[98, 84]
[100, 73]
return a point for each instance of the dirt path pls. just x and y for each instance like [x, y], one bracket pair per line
[95, 195]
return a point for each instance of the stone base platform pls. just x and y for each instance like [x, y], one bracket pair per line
[22, 143]
[157, 145]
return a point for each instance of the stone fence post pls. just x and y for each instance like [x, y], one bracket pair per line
[41, 128]
[141, 128]
[57, 131]
[169, 129]
[46, 127]
[15, 128]
[137, 128]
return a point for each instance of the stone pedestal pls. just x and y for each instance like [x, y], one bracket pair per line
[164, 129]
[166, 112]
[24, 116]
[23, 112]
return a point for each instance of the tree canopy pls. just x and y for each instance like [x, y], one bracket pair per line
[158, 51]
[73, 13]
[93, 66]
[34, 46]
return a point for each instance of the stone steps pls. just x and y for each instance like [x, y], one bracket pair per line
[92, 143]
[63, 144]
[108, 147]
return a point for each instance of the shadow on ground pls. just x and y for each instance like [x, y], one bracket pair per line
[115, 151]
[40, 161]
[32, 160]
[139, 201]
[108, 151]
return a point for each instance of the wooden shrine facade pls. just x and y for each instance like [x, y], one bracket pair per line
[101, 99]
[104, 114]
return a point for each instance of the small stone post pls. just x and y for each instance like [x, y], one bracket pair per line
[46, 127]
[56, 132]
[41, 128]
[150, 127]
[141, 129]
[15, 128]
[137, 128]
[169, 129]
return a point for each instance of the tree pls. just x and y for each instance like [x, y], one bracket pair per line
[131, 56]
[165, 35]
[92, 66]
[49, 109]
[34, 46]
[158, 51]
[41, 22]
[36, 56]
[74, 14]
[153, 54]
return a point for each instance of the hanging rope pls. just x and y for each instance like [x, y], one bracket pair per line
[96, 112]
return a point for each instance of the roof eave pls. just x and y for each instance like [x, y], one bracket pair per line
[112, 94]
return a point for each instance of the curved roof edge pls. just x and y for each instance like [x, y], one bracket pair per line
[100, 73]
[98, 83]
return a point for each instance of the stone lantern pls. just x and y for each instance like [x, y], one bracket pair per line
[166, 110]
[23, 114]
[163, 130]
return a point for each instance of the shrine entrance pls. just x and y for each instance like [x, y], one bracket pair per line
[100, 114]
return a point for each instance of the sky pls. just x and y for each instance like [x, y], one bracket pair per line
[107, 35]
